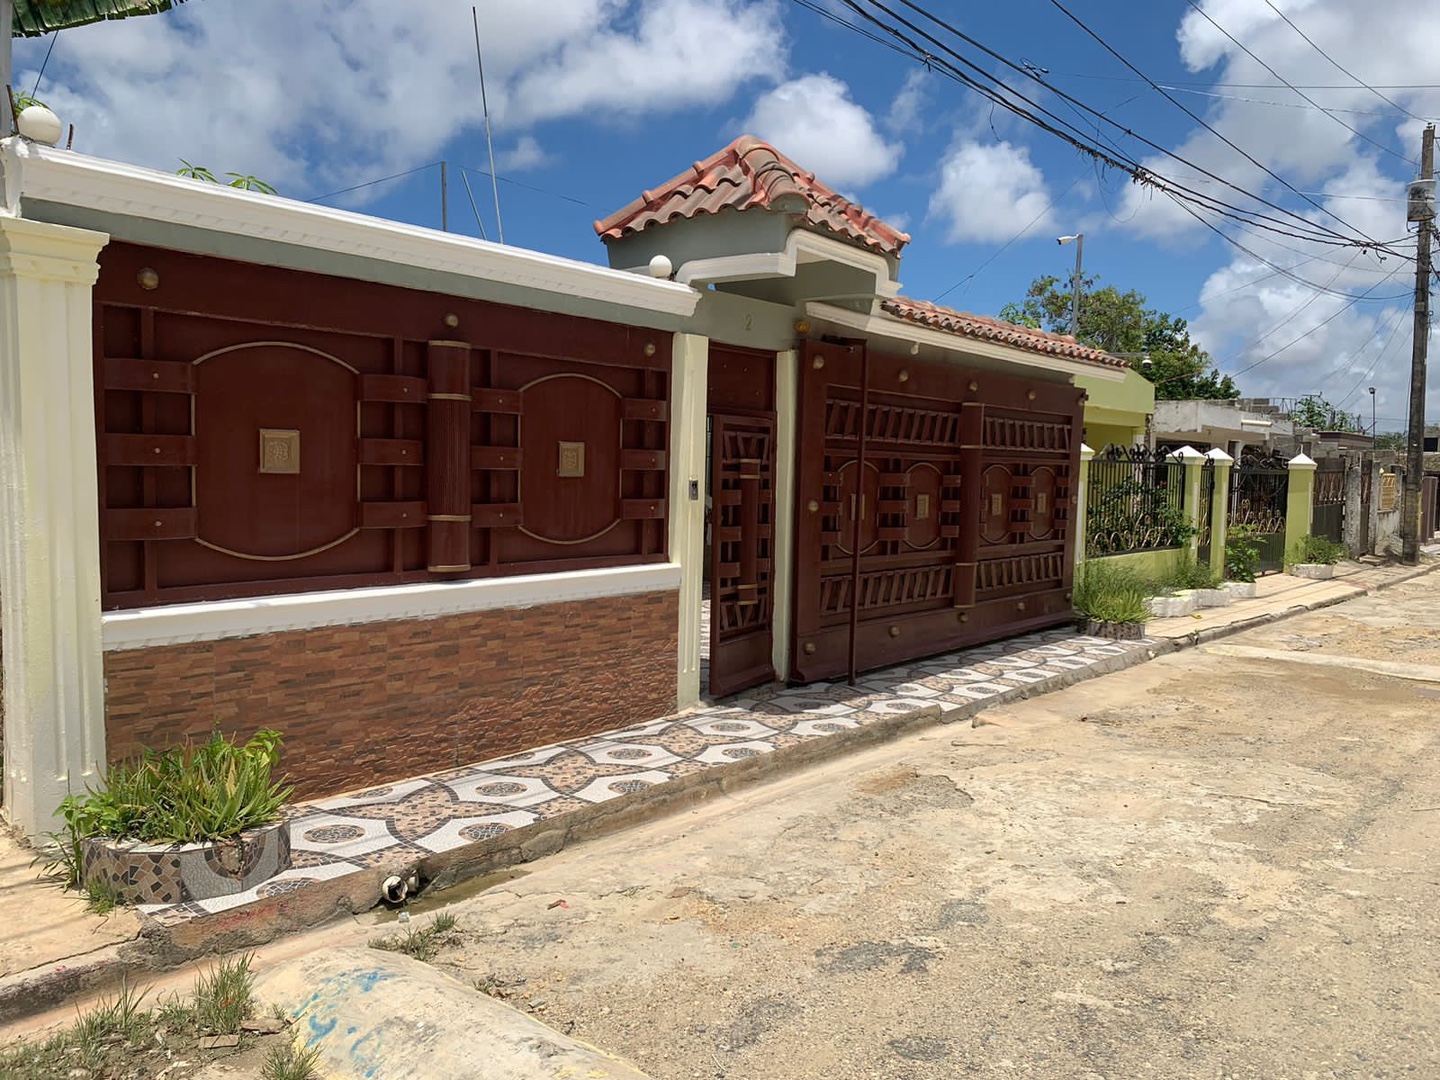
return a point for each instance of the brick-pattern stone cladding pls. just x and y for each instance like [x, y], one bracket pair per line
[375, 702]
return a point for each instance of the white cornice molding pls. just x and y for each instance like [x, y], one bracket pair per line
[801, 246]
[884, 326]
[179, 624]
[39, 250]
[71, 179]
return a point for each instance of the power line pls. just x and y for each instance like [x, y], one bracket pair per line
[1193, 116]
[1246, 49]
[1336, 64]
[1251, 86]
[372, 183]
[1313, 230]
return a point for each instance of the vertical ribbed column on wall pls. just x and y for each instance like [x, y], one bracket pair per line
[447, 457]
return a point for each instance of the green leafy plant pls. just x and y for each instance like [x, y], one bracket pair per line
[1126, 516]
[211, 791]
[246, 182]
[195, 172]
[1109, 593]
[423, 944]
[1317, 549]
[1242, 553]
[224, 996]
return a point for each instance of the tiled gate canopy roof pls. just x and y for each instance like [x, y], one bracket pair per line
[985, 329]
[751, 173]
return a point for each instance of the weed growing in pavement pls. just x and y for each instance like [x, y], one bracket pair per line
[285, 1062]
[423, 944]
[224, 996]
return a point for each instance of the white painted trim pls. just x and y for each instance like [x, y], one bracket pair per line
[886, 326]
[689, 388]
[32, 171]
[782, 551]
[801, 246]
[213, 621]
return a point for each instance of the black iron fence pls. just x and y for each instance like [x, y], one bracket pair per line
[1135, 501]
[1328, 519]
[1203, 522]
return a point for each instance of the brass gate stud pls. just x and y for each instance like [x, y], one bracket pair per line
[894, 631]
[818, 363]
[812, 506]
[809, 648]
[904, 375]
[1020, 606]
[963, 616]
[1030, 395]
[974, 386]
[148, 279]
[452, 320]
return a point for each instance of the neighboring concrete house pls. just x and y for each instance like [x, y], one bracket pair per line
[1117, 413]
[419, 500]
[1232, 426]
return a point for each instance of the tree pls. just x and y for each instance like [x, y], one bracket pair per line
[1317, 414]
[1117, 322]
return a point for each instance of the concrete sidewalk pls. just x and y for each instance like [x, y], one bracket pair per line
[487, 817]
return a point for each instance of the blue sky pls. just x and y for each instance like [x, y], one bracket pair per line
[594, 100]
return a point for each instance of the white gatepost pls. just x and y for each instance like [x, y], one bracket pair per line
[689, 385]
[782, 544]
[1082, 493]
[54, 698]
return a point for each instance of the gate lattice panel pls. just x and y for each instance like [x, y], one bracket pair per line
[1328, 519]
[742, 482]
[1206, 507]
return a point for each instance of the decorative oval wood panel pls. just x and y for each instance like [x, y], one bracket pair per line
[310, 397]
[995, 504]
[922, 522]
[1042, 506]
[865, 502]
[570, 409]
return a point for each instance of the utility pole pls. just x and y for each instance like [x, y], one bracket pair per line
[1415, 450]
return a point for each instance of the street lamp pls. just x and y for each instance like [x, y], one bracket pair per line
[1372, 412]
[1079, 241]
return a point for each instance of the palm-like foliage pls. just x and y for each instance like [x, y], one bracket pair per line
[35, 18]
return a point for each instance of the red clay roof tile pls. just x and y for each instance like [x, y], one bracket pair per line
[986, 329]
[750, 173]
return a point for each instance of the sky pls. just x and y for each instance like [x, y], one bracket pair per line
[593, 101]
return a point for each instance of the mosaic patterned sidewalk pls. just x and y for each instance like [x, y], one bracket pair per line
[412, 819]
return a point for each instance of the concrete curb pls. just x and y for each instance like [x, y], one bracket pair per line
[161, 947]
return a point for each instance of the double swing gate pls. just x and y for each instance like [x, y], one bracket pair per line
[1259, 490]
[933, 508]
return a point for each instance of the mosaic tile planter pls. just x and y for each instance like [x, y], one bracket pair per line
[1113, 631]
[176, 873]
[1240, 590]
[1316, 571]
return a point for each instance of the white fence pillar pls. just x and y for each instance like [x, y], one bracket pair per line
[689, 382]
[54, 700]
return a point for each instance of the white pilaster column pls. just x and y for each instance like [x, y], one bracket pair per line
[49, 520]
[782, 539]
[689, 381]
[1082, 505]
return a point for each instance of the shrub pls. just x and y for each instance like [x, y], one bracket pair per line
[213, 791]
[1242, 553]
[1108, 593]
[1317, 549]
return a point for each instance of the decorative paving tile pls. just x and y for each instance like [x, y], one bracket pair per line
[399, 824]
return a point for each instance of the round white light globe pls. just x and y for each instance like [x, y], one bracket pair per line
[39, 124]
[660, 267]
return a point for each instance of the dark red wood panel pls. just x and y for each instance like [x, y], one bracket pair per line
[962, 514]
[405, 409]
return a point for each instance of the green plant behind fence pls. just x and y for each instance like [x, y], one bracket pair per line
[1128, 514]
[1317, 549]
[1242, 553]
[1187, 573]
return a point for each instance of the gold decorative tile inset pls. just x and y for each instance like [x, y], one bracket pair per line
[572, 459]
[279, 450]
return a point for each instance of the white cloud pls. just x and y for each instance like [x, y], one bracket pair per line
[904, 114]
[311, 95]
[525, 154]
[813, 121]
[990, 192]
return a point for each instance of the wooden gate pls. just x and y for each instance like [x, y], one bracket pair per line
[742, 490]
[933, 509]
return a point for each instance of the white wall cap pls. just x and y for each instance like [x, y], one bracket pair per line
[176, 624]
[1187, 453]
[1219, 457]
[1301, 461]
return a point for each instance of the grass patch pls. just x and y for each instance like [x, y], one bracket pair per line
[126, 1037]
[285, 1062]
[421, 944]
[1109, 593]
